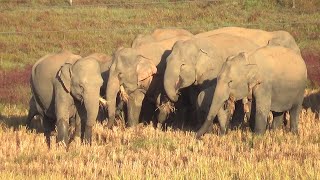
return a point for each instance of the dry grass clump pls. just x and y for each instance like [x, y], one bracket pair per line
[167, 107]
[143, 152]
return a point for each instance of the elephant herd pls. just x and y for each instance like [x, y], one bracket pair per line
[230, 73]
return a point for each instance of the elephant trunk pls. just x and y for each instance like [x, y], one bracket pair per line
[91, 103]
[112, 90]
[221, 94]
[171, 80]
[134, 107]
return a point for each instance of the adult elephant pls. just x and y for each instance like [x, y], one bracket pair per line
[260, 37]
[138, 74]
[198, 61]
[158, 35]
[267, 73]
[64, 85]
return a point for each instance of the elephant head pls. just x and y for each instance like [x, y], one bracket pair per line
[186, 65]
[82, 80]
[235, 81]
[131, 73]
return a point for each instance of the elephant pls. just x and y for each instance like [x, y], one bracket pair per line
[260, 37]
[137, 75]
[158, 35]
[105, 62]
[64, 86]
[276, 76]
[196, 63]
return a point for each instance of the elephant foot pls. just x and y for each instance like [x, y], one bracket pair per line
[62, 127]
[110, 122]
[47, 136]
[74, 143]
[223, 131]
[62, 144]
[199, 136]
[259, 132]
[88, 135]
[294, 131]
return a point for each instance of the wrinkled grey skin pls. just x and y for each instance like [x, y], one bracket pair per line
[140, 72]
[158, 35]
[66, 86]
[277, 77]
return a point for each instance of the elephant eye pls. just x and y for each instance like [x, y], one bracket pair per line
[229, 83]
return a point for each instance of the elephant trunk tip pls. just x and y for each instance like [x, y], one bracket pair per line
[173, 97]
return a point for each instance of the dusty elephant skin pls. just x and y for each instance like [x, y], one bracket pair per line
[139, 72]
[158, 35]
[66, 86]
[197, 62]
[277, 77]
[258, 36]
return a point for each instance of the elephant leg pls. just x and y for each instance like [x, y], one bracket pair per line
[201, 116]
[31, 113]
[62, 124]
[121, 105]
[251, 120]
[147, 111]
[75, 131]
[48, 127]
[294, 118]
[162, 115]
[263, 104]
[277, 120]
[134, 107]
[238, 115]
[62, 128]
[223, 119]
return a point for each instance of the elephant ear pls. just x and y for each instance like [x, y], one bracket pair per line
[202, 67]
[145, 70]
[64, 76]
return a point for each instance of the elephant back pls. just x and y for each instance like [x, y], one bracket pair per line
[44, 73]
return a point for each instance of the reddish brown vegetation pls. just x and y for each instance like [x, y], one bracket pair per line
[312, 59]
[14, 85]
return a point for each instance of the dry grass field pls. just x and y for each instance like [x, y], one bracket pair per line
[148, 153]
[30, 29]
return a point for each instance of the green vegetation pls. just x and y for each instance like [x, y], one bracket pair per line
[30, 29]
[87, 29]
